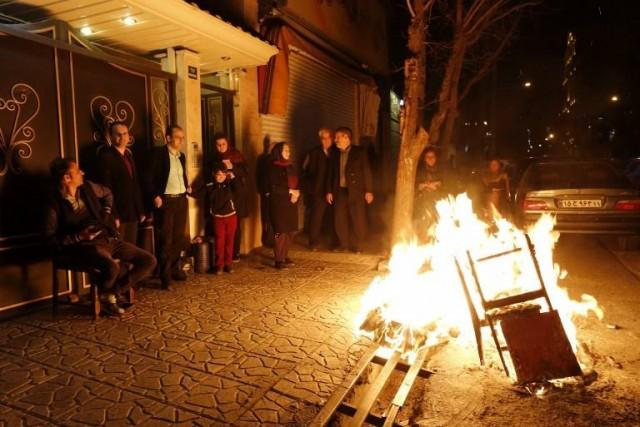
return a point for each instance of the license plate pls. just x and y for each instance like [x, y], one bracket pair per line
[591, 203]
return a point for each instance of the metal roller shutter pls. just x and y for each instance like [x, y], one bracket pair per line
[318, 96]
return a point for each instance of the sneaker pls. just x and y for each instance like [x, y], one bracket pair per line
[228, 269]
[112, 309]
[289, 261]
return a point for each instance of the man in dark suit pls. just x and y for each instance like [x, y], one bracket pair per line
[169, 187]
[117, 170]
[349, 188]
[315, 168]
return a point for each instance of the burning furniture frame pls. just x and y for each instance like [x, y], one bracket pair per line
[536, 341]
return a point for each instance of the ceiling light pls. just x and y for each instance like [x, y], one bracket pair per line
[129, 21]
[86, 30]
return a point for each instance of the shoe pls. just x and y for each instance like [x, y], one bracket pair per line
[339, 249]
[236, 258]
[289, 261]
[217, 271]
[112, 309]
[279, 265]
[179, 276]
[166, 286]
[228, 269]
[123, 301]
[356, 251]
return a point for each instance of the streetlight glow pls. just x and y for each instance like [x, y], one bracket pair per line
[527, 84]
[614, 98]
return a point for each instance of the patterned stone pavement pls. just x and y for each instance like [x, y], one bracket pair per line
[257, 347]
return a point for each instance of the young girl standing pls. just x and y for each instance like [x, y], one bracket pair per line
[225, 220]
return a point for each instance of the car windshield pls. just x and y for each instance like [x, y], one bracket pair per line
[574, 175]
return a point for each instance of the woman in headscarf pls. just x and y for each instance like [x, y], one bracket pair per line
[496, 185]
[238, 172]
[430, 181]
[283, 202]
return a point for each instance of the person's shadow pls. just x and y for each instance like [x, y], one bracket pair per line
[262, 164]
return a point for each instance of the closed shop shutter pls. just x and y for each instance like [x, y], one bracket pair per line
[318, 96]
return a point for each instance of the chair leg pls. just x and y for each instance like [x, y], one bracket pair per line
[132, 295]
[95, 301]
[55, 286]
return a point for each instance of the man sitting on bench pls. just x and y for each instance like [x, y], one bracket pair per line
[79, 220]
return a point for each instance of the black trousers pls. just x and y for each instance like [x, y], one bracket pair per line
[101, 255]
[319, 207]
[350, 219]
[129, 232]
[170, 222]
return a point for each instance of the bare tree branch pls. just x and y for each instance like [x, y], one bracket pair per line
[490, 61]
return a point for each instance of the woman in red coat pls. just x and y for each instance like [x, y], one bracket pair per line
[238, 172]
[283, 202]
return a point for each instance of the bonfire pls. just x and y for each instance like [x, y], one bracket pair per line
[420, 301]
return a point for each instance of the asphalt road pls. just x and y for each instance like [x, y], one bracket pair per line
[464, 394]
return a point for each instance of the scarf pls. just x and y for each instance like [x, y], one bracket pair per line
[292, 176]
[231, 154]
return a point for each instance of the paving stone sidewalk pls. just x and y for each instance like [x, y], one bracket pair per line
[257, 347]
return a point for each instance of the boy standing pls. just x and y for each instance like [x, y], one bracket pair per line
[225, 220]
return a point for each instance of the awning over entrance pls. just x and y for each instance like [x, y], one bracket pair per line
[145, 26]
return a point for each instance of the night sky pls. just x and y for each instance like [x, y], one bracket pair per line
[607, 64]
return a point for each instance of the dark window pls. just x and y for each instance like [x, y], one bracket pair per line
[574, 175]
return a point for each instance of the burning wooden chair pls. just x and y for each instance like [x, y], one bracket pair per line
[535, 340]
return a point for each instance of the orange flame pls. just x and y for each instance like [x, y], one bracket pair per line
[421, 299]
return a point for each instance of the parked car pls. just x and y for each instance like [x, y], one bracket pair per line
[584, 196]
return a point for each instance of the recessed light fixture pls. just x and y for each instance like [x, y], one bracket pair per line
[86, 30]
[129, 21]
[225, 58]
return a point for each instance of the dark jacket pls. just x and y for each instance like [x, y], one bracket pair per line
[314, 172]
[283, 213]
[220, 199]
[159, 171]
[241, 172]
[357, 171]
[113, 173]
[63, 225]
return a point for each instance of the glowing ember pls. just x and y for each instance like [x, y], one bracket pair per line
[420, 301]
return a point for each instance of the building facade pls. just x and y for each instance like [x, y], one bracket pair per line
[70, 68]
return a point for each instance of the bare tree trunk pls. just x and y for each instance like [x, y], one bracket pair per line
[452, 116]
[413, 137]
[448, 89]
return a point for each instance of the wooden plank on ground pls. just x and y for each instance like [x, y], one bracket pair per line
[329, 409]
[405, 387]
[374, 390]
